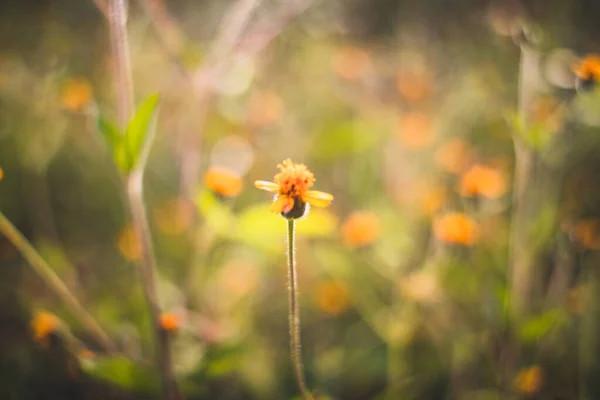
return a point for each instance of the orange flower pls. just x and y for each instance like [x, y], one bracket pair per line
[332, 298]
[292, 185]
[174, 216]
[351, 63]
[432, 200]
[1, 174]
[529, 380]
[415, 85]
[265, 108]
[588, 69]
[481, 180]
[587, 234]
[456, 228]
[452, 156]
[43, 324]
[223, 181]
[361, 229]
[76, 94]
[129, 244]
[415, 130]
[169, 322]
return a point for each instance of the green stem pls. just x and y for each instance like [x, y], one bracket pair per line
[147, 267]
[294, 312]
[58, 287]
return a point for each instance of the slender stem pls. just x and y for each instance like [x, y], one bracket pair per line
[41, 267]
[294, 312]
[122, 62]
[147, 267]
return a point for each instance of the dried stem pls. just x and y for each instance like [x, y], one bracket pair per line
[134, 188]
[294, 312]
[147, 268]
[56, 285]
[122, 63]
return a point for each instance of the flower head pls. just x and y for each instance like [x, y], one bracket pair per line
[223, 181]
[43, 325]
[456, 228]
[529, 380]
[587, 70]
[292, 185]
[169, 322]
[481, 180]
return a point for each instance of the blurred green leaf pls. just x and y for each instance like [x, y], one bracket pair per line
[338, 139]
[259, 227]
[122, 372]
[139, 127]
[217, 215]
[116, 141]
[537, 327]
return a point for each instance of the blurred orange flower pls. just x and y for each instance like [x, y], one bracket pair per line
[587, 233]
[420, 286]
[174, 216]
[588, 68]
[453, 155]
[481, 180]
[169, 322]
[129, 244]
[361, 228]
[529, 380]
[414, 85]
[433, 200]
[292, 185]
[351, 63]
[332, 297]
[1, 174]
[42, 325]
[415, 130]
[76, 94]
[456, 228]
[265, 108]
[223, 181]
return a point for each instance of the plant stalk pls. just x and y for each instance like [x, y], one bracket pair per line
[147, 268]
[56, 285]
[294, 312]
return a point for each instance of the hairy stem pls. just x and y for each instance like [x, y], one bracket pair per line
[162, 351]
[56, 285]
[294, 312]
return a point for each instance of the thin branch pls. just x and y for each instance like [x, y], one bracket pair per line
[56, 285]
[122, 63]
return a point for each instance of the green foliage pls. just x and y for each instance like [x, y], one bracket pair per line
[122, 372]
[128, 147]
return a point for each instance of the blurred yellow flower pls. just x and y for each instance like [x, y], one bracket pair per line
[76, 94]
[292, 185]
[42, 325]
[169, 322]
[223, 181]
[174, 216]
[351, 63]
[414, 85]
[456, 228]
[453, 155]
[415, 130]
[588, 68]
[129, 244]
[481, 180]
[361, 228]
[529, 380]
[265, 108]
[587, 233]
[332, 297]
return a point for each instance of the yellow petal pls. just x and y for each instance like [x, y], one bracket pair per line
[268, 186]
[282, 204]
[318, 199]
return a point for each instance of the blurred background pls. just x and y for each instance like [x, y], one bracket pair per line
[457, 261]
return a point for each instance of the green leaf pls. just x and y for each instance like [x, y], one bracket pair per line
[138, 129]
[539, 326]
[116, 141]
[122, 372]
